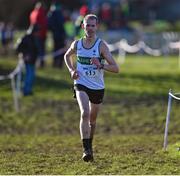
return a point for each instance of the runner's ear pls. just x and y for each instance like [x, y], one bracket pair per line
[82, 26]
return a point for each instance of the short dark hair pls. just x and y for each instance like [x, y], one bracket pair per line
[90, 16]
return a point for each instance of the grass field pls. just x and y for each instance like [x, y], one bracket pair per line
[43, 138]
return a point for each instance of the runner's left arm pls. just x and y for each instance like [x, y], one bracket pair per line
[111, 65]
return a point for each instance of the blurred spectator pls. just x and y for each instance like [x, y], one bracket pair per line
[28, 51]
[69, 25]
[10, 35]
[4, 41]
[125, 11]
[7, 37]
[106, 14]
[56, 26]
[39, 19]
[83, 11]
[117, 17]
[95, 8]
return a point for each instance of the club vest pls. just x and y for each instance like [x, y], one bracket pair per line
[89, 75]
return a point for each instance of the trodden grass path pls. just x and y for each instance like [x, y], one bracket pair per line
[114, 154]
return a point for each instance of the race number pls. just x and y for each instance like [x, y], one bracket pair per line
[90, 73]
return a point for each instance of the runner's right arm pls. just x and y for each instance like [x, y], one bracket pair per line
[69, 62]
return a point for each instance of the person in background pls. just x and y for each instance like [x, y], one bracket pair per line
[10, 35]
[38, 18]
[106, 14]
[88, 76]
[78, 30]
[56, 26]
[4, 40]
[7, 37]
[28, 51]
[69, 26]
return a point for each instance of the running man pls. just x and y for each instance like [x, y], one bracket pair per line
[88, 75]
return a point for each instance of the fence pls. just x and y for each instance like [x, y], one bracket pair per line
[171, 95]
[121, 46]
[15, 77]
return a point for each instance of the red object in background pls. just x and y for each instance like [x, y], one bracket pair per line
[83, 10]
[38, 18]
[106, 12]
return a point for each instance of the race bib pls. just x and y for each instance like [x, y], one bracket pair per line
[90, 72]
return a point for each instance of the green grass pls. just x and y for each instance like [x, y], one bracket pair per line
[127, 154]
[43, 138]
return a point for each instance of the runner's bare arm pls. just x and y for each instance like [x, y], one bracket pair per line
[68, 58]
[111, 64]
[69, 62]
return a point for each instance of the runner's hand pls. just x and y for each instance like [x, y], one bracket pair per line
[74, 74]
[96, 62]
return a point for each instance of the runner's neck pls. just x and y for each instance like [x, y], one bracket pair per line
[89, 42]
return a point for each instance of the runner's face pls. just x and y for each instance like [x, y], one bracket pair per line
[90, 27]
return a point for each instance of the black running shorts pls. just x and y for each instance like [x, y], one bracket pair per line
[95, 96]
